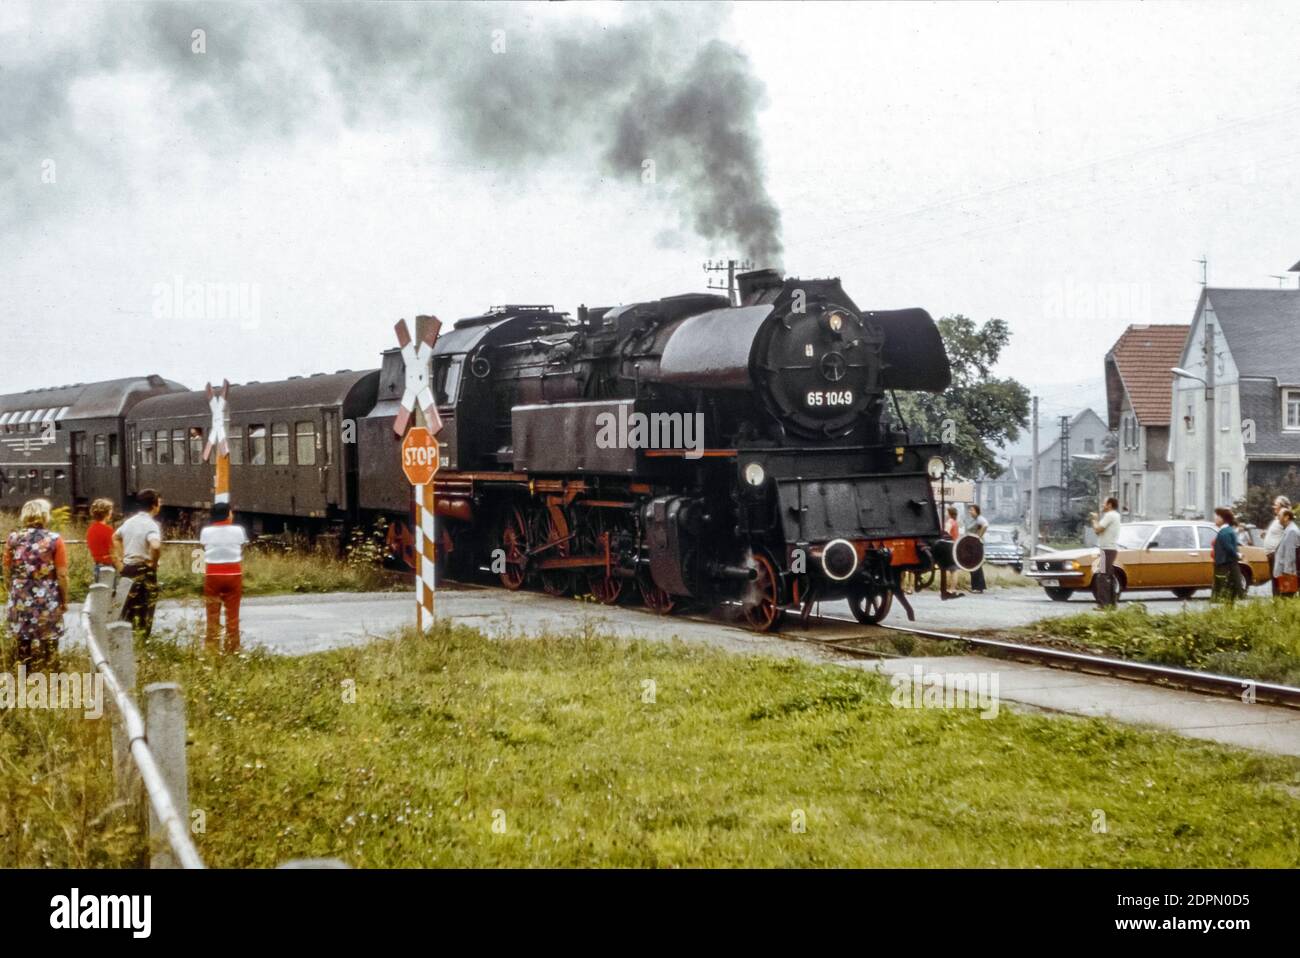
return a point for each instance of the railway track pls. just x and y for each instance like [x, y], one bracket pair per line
[1204, 682]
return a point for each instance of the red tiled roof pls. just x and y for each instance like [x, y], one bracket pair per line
[1143, 357]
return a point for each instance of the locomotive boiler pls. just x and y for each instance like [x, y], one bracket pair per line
[686, 449]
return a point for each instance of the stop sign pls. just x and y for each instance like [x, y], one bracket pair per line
[419, 456]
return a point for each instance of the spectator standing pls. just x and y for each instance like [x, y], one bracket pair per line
[140, 541]
[1227, 557]
[953, 531]
[1286, 560]
[1107, 528]
[99, 537]
[977, 526]
[35, 564]
[1273, 535]
[223, 575]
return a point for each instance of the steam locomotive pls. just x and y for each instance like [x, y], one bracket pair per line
[683, 450]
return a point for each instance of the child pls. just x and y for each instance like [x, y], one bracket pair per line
[99, 537]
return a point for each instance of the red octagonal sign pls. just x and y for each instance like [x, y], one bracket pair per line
[419, 456]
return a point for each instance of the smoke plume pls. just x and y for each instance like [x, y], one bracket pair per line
[655, 97]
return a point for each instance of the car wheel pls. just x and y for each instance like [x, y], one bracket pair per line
[1019, 568]
[1186, 593]
[1059, 595]
[1119, 587]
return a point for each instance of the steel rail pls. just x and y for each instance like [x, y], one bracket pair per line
[1150, 672]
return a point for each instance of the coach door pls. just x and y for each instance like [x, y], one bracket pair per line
[78, 465]
[329, 469]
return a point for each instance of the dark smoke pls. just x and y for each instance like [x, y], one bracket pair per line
[658, 85]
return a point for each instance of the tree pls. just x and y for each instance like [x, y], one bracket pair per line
[977, 412]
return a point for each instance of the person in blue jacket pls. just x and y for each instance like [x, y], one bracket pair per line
[1227, 557]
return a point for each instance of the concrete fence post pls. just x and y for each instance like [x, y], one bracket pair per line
[165, 734]
[98, 599]
[119, 649]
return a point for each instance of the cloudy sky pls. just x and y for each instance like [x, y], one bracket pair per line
[1061, 166]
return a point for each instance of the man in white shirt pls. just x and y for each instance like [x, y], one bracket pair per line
[1273, 535]
[223, 576]
[138, 542]
[1107, 529]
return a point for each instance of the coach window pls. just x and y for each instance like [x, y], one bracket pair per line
[235, 440]
[178, 447]
[101, 450]
[196, 444]
[146, 447]
[47, 479]
[279, 444]
[305, 436]
[114, 456]
[164, 447]
[257, 444]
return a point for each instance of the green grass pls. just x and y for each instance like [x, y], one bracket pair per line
[1257, 639]
[551, 739]
[269, 569]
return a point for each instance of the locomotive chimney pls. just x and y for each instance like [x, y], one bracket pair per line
[754, 284]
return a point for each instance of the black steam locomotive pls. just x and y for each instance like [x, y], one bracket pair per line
[686, 449]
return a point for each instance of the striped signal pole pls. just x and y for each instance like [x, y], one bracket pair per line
[420, 453]
[217, 441]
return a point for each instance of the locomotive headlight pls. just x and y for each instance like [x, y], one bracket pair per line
[754, 474]
[936, 467]
[836, 322]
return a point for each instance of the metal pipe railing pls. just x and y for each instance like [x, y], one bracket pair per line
[170, 819]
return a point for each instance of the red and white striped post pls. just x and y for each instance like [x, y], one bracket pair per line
[420, 454]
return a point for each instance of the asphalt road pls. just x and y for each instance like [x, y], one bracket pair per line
[301, 624]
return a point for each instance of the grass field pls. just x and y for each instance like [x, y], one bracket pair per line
[268, 568]
[1257, 639]
[453, 750]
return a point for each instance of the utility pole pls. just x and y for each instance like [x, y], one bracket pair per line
[730, 266]
[1211, 426]
[1065, 463]
[1033, 487]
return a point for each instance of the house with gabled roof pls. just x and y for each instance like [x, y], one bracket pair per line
[1256, 422]
[1139, 403]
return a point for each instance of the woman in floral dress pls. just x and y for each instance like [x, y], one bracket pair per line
[36, 570]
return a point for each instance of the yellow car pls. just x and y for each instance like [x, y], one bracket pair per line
[1175, 556]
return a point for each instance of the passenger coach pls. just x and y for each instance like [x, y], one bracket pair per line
[66, 443]
[293, 452]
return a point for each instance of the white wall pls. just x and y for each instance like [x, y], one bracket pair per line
[1187, 449]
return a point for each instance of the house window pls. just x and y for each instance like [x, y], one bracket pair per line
[1225, 486]
[1137, 499]
[279, 444]
[1291, 409]
[1123, 499]
[1088, 445]
[1189, 489]
[305, 443]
